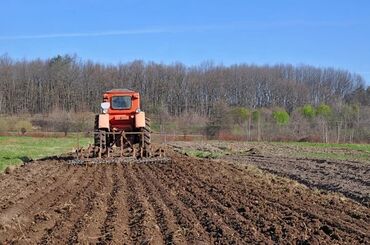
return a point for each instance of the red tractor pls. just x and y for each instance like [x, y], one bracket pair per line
[122, 125]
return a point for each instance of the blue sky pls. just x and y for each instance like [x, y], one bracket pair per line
[319, 33]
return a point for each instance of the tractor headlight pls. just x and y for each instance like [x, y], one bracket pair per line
[105, 106]
[138, 110]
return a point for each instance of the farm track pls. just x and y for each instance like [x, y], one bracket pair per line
[186, 201]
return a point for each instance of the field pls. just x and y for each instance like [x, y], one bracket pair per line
[17, 149]
[236, 193]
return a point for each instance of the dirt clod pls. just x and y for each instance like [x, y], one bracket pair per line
[10, 169]
[41, 217]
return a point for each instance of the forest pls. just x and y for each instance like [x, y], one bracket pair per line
[329, 102]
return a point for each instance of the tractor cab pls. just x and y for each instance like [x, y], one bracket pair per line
[121, 110]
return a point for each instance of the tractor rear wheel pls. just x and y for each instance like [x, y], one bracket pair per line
[147, 138]
[96, 131]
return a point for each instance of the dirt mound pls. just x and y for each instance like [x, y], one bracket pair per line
[186, 200]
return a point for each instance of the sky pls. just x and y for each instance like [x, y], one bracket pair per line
[323, 33]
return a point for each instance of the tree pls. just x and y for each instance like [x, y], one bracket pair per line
[324, 113]
[256, 117]
[242, 116]
[281, 117]
[190, 123]
[82, 121]
[219, 120]
[61, 121]
[308, 111]
[350, 115]
[161, 115]
[66, 82]
[171, 90]
[324, 110]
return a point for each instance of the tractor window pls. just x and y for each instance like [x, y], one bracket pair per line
[121, 102]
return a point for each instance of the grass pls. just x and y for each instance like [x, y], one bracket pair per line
[18, 149]
[334, 156]
[359, 147]
[203, 154]
[330, 150]
[355, 152]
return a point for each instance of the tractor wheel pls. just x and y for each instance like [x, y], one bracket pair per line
[96, 130]
[147, 137]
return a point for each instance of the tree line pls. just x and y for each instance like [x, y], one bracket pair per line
[71, 84]
[323, 123]
[255, 102]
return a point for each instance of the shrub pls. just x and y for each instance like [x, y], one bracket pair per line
[281, 117]
[61, 120]
[23, 126]
[308, 111]
[82, 121]
[256, 116]
[324, 110]
[3, 125]
[240, 115]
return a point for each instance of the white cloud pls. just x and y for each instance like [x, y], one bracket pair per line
[84, 34]
[194, 28]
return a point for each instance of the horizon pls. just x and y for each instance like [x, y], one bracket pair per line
[333, 34]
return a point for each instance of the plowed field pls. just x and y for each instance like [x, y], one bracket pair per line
[350, 178]
[185, 201]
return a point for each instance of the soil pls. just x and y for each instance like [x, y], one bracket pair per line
[350, 178]
[186, 200]
[274, 149]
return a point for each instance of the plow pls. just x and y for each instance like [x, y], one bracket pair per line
[122, 132]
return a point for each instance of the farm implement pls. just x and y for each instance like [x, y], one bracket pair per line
[121, 131]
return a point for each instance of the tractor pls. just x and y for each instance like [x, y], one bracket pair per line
[121, 129]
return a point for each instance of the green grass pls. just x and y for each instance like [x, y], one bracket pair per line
[334, 156]
[359, 147]
[328, 151]
[17, 149]
[203, 154]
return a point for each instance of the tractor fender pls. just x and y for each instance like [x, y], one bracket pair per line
[140, 120]
[103, 121]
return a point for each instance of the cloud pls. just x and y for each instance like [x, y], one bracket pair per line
[195, 28]
[83, 34]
